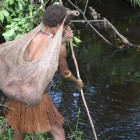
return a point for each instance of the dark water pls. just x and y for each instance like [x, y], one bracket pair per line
[115, 110]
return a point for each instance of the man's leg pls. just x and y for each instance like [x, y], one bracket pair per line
[18, 135]
[58, 132]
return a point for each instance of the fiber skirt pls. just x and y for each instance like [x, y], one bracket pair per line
[29, 119]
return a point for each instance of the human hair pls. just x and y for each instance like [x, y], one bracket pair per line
[55, 15]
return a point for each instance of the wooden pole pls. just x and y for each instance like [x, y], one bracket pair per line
[83, 98]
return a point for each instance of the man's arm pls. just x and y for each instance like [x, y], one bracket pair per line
[66, 73]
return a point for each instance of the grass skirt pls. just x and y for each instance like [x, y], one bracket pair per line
[29, 119]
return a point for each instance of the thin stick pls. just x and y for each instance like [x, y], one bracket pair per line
[121, 36]
[83, 21]
[60, 2]
[6, 106]
[86, 6]
[83, 98]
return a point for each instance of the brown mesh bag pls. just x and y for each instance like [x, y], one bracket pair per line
[23, 80]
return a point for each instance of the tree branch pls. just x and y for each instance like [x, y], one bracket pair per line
[86, 7]
[89, 23]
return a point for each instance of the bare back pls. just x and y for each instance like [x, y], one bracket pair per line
[37, 46]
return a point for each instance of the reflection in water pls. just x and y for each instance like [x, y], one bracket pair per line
[56, 97]
[115, 112]
[118, 115]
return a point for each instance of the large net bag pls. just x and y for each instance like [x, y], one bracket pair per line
[23, 80]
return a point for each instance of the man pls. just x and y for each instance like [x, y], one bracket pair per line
[44, 117]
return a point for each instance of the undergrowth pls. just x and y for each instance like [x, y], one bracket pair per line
[74, 131]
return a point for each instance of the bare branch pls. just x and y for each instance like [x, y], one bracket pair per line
[108, 24]
[121, 36]
[94, 14]
[90, 23]
[83, 21]
[101, 22]
[46, 3]
[86, 6]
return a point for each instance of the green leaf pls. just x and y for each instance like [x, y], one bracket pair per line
[11, 2]
[21, 21]
[16, 27]
[31, 14]
[18, 36]
[20, 5]
[6, 13]
[77, 40]
[1, 16]
[9, 33]
[4, 4]
[135, 3]
[8, 19]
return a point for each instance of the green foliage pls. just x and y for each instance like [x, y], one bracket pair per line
[76, 133]
[76, 41]
[6, 132]
[20, 16]
[135, 3]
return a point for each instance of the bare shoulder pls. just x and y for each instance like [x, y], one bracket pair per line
[34, 44]
[35, 40]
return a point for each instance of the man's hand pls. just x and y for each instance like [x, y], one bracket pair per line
[79, 85]
[68, 34]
